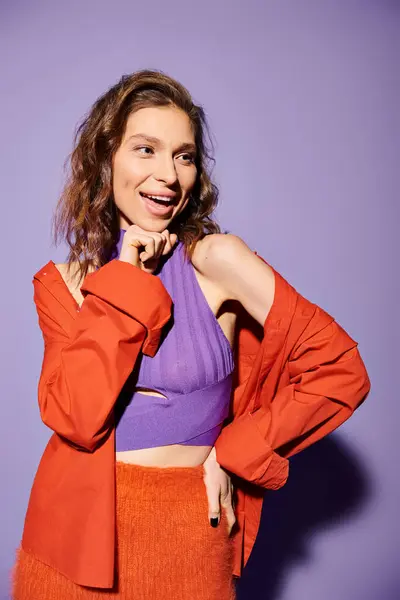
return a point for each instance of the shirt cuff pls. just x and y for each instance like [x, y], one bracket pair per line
[241, 449]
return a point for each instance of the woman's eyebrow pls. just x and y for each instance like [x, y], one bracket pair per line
[149, 138]
[186, 146]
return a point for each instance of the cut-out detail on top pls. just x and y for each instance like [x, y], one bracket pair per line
[148, 392]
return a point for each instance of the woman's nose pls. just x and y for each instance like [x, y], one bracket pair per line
[166, 171]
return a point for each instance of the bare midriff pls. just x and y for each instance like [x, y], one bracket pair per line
[174, 455]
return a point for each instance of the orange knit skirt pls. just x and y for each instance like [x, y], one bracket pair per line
[166, 547]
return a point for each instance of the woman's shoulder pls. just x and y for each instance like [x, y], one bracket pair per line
[72, 278]
[66, 268]
[205, 260]
[207, 244]
[230, 263]
[56, 295]
[50, 275]
[214, 251]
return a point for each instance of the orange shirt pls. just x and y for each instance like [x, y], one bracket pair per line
[296, 379]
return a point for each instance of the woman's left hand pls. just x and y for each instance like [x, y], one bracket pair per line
[219, 490]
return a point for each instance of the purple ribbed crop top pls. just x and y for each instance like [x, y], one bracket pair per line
[192, 367]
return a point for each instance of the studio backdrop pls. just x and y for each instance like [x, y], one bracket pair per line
[302, 99]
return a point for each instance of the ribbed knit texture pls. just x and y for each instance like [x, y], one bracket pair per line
[166, 547]
[192, 367]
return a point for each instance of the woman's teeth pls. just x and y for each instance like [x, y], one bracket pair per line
[158, 199]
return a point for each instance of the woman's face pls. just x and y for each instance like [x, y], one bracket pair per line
[156, 157]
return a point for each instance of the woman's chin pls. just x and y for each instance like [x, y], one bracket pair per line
[153, 224]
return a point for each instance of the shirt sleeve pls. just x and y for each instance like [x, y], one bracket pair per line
[85, 366]
[327, 382]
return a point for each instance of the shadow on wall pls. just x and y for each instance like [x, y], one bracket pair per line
[326, 485]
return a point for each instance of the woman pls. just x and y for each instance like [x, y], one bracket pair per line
[154, 323]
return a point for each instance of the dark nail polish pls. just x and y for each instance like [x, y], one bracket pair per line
[214, 522]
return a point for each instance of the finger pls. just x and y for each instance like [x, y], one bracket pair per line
[138, 241]
[155, 247]
[171, 239]
[228, 507]
[225, 493]
[160, 245]
[142, 242]
[167, 244]
[230, 518]
[214, 509]
[149, 249]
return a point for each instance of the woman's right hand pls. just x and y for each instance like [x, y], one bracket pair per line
[143, 248]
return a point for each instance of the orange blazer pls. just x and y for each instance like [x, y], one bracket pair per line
[296, 379]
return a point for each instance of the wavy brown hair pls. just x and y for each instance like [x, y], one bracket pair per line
[86, 216]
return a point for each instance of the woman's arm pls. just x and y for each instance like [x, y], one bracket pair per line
[85, 366]
[327, 379]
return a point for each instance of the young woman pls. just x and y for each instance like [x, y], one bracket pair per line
[174, 360]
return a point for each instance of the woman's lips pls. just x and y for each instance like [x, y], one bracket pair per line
[157, 209]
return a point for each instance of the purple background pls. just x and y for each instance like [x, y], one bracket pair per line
[303, 100]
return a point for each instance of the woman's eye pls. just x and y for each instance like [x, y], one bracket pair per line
[144, 148]
[188, 158]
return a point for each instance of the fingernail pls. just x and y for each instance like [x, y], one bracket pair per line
[214, 521]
